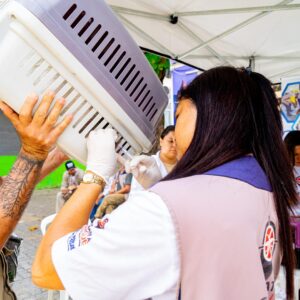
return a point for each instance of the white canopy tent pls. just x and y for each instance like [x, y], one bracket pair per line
[261, 33]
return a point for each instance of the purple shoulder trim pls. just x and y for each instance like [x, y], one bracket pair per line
[245, 169]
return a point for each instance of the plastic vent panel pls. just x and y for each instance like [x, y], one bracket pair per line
[96, 38]
[86, 117]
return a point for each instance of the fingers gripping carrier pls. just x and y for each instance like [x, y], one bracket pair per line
[81, 51]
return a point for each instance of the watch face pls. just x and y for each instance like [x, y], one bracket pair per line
[87, 177]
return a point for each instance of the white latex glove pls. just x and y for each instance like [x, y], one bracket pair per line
[144, 169]
[101, 158]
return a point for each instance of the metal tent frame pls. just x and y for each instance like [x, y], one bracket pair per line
[233, 43]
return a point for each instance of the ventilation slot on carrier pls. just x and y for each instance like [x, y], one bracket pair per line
[100, 41]
[78, 19]
[136, 87]
[88, 122]
[112, 55]
[70, 11]
[123, 68]
[132, 80]
[140, 104]
[117, 62]
[69, 105]
[127, 75]
[149, 101]
[140, 93]
[93, 34]
[94, 127]
[106, 48]
[153, 115]
[83, 115]
[86, 26]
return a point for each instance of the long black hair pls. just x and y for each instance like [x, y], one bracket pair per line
[237, 115]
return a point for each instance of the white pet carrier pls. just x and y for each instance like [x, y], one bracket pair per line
[81, 51]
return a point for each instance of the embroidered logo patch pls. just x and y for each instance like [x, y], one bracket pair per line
[79, 238]
[269, 242]
[100, 223]
[267, 249]
[71, 241]
[85, 235]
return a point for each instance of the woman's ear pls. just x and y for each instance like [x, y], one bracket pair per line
[160, 142]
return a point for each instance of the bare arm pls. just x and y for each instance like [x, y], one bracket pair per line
[38, 133]
[124, 190]
[55, 158]
[75, 213]
[80, 205]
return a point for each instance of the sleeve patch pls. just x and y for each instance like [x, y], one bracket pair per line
[79, 238]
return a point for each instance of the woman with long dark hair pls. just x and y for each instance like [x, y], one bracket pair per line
[215, 228]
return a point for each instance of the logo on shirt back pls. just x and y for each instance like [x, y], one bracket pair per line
[298, 180]
[269, 242]
[266, 255]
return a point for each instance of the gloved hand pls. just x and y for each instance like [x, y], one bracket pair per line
[101, 157]
[144, 169]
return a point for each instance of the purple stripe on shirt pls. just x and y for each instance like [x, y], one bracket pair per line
[245, 169]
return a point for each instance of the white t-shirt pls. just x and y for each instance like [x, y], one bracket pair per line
[130, 254]
[135, 186]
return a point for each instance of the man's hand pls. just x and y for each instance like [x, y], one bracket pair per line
[38, 132]
[64, 190]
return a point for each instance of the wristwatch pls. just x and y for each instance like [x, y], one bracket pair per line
[91, 177]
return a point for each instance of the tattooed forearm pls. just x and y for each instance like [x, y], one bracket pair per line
[17, 188]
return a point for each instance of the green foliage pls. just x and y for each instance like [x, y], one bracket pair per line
[159, 64]
[51, 181]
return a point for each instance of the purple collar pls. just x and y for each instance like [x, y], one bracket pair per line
[245, 169]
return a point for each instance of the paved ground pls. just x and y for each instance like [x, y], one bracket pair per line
[41, 205]
[8, 134]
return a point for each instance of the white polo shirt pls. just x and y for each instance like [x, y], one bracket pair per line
[129, 254]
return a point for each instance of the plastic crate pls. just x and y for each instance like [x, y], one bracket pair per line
[81, 51]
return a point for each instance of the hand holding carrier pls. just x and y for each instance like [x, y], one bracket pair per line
[81, 51]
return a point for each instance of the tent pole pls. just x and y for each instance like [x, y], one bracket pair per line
[229, 31]
[128, 11]
[285, 72]
[269, 8]
[275, 58]
[199, 40]
[146, 36]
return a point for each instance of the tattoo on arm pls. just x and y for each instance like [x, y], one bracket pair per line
[18, 186]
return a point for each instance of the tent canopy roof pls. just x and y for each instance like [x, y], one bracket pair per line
[260, 33]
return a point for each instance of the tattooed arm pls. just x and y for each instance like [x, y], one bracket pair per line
[38, 133]
[15, 192]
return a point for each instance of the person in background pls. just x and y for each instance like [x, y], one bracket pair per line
[156, 166]
[38, 133]
[292, 142]
[71, 180]
[216, 227]
[118, 193]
